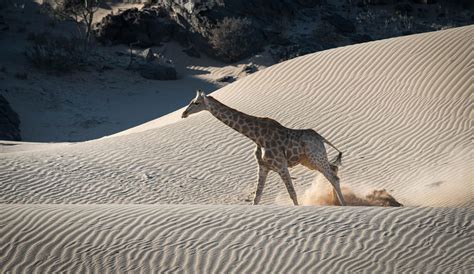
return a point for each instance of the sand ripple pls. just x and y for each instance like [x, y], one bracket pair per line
[233, 239]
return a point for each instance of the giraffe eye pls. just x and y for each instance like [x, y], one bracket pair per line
[195, 103]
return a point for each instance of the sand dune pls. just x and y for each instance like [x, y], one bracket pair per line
[233, 239]
[400, 109]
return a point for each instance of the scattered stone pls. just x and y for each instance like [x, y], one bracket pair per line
[226, 79]
[250, 68]
[9, 122]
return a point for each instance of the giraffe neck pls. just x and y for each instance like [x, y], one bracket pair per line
[239, 121]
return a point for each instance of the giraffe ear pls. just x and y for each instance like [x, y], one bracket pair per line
[202, 93]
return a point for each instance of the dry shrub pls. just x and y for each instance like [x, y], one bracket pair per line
[55, 53]
[81, 12]
[233, 39]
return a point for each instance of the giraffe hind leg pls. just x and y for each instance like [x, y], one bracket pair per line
[334, 180]
[316, 159]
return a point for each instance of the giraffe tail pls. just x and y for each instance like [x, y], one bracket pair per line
[337, 161]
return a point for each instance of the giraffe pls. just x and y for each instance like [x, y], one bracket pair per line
[277, 147]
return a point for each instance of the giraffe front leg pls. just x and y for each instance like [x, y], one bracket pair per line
[285, 176]
[262, 177]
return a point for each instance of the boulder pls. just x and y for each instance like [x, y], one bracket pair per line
[9, 122]
[143, 28]
[249, 69]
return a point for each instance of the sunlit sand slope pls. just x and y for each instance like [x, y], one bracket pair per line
[400, 109]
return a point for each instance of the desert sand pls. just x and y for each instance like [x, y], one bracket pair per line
[172, 195]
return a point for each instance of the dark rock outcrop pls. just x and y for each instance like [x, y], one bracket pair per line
[197, 25]
[143, 28]
[340, 23]
[191, 23]
[9, 122]
[153, 66]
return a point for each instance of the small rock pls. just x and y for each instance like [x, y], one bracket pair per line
[149, 55]
[226, 79]
[146, 176]
[250, 68]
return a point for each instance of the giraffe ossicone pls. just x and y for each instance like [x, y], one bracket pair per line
[278, 147]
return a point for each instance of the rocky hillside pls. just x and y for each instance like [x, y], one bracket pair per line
[231, 30]
[9, 122]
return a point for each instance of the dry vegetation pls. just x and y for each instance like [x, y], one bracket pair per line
[232, 39]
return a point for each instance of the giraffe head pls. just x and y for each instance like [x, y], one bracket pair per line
[199, 103]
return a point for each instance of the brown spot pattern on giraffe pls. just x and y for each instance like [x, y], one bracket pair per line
[283, 147]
